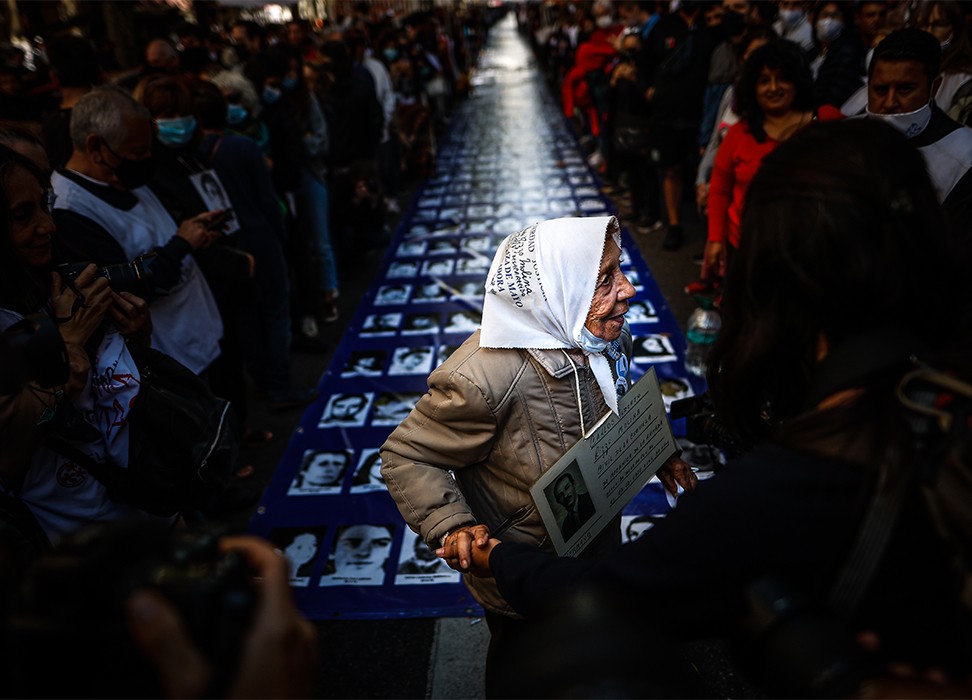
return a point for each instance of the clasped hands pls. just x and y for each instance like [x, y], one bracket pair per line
[467, 549]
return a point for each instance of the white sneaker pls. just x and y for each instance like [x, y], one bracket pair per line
[308, 326]
[595, 160]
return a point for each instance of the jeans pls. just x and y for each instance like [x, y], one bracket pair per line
[312, 214]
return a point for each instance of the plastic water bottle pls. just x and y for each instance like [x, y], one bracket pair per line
[703, 327]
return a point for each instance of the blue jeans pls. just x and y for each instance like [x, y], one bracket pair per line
[312, 214]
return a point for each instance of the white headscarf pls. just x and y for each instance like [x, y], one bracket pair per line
[540, 288]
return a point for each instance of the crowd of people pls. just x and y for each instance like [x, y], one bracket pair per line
[230, 173]
[199, 205]
[654, 88]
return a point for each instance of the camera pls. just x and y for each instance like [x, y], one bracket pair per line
[792, 649]
[136, 276]
[67, 635]
[703, 426]
[32, 350]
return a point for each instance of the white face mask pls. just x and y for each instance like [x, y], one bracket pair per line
[910, 123]
[604, 21]
[791, 18]
[829, 28]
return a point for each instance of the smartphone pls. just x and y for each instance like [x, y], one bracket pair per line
[218, 222]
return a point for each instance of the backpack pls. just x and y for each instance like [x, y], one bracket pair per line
[182, 444]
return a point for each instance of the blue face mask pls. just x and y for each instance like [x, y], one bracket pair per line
[176, 132]
[271, 94]
[390, 55]
[236, 114]
[288, 83]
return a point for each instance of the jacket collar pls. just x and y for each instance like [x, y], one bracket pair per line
[556, 363]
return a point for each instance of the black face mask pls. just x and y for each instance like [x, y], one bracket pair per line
[733, 24]
[133, 173]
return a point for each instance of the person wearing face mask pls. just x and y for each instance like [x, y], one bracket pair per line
[836, 59]
[106, 215]
[243, 109]
[902, 80]
[792, 23]
[946, 21]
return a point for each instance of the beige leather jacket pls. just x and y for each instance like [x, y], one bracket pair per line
[491, 423]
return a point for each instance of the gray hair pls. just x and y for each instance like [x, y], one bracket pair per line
[102, 112]
[231, 81]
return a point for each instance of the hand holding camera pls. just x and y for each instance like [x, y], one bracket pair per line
[277, 655]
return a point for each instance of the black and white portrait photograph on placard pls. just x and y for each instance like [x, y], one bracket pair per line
[348, 410]
[398, 270]
[214, 196]
[418, 324]
[428, 293]
[411, 249]
[359, 556]
[469, 290]
[365, 363]
[411, 360]
[642, 311]
[634, 526]
[418, 564]
[463, 322]
[478, 265]
[570, 501]
[301, 546]
[653, 348]
[673, 389]
[480, 244]
[391, 408]
[392, 294]
[321, 472]
[442, 246]
[381, 324]
[368, 476]
[438, 268]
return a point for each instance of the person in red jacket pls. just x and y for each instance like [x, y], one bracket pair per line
[774, 99]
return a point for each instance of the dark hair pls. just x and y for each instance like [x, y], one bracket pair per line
[846, 10]
[363, 475]
[73, 61]
[957, 58]
[161, 94]
[20, 289]
[910, 44]
[842, 234]
[278, 58]
[209, 105]
[781, 55]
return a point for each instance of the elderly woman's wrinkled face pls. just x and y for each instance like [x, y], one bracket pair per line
[606, 316]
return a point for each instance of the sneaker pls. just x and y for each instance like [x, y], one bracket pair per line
[673, 238]
[646, 227]
[291, 398]
[391, 205]
[308, 327]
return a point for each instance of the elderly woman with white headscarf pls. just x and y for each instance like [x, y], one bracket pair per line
[550, 360]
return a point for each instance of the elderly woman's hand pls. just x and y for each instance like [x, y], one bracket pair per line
[675, 473]
[479, 557]
[460, 545]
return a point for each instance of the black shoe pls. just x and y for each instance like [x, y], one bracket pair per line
[673, 238]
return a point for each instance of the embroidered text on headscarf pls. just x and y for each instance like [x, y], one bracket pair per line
[518, 274]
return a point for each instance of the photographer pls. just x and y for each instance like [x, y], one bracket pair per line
[108, 216]
[97, 395]
[846, 272]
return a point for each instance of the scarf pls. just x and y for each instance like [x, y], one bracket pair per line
[540, 288]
